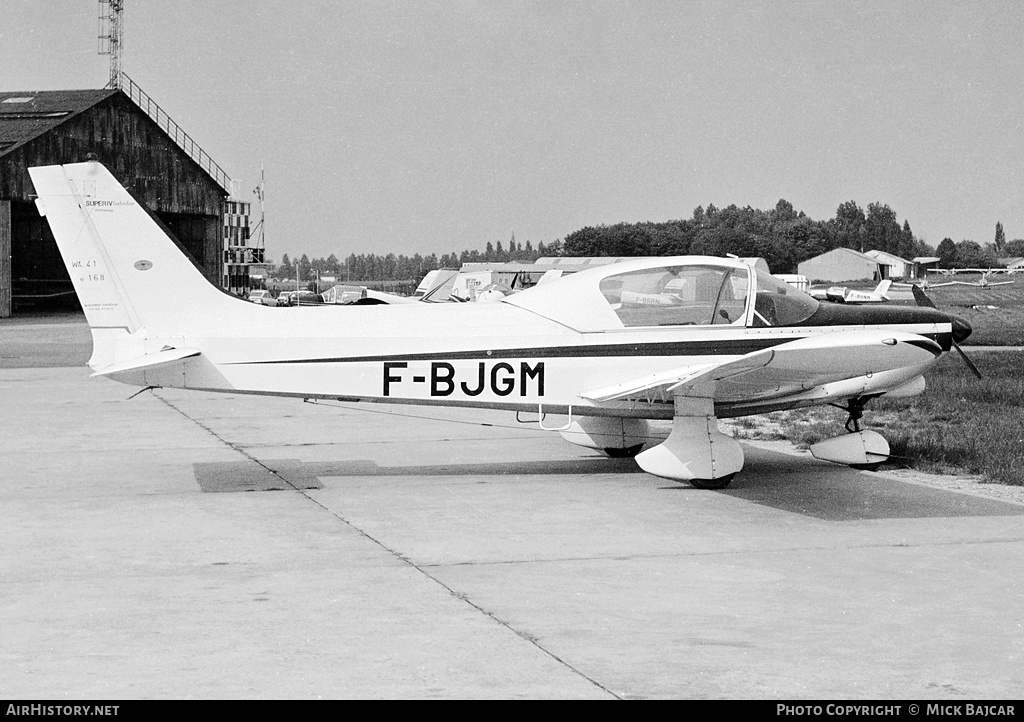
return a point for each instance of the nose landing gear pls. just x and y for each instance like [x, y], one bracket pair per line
[865, 450]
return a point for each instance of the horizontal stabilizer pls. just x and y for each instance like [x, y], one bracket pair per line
[149, 361]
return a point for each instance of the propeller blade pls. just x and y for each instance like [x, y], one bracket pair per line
[970, 364]
[921, 297]
[958, 326]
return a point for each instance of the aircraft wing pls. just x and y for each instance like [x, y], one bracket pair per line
[785, 370]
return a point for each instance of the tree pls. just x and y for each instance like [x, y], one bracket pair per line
[286, 269]
[971, 255]
[304, 267]
[907, 243]
[848, 223]
[946, 253]
[784, 212]
[1015, 248]
[1000, 239]
[882, 231]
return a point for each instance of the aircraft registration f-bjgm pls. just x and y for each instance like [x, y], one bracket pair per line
[691, 339]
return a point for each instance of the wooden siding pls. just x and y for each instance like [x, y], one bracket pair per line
[131, 145]
[5, 259]
[140, 155]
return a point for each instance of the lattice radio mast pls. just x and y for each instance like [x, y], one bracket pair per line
[111, 22]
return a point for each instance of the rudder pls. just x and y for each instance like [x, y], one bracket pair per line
[126, 270]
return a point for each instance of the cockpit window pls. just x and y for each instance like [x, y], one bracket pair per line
[779, 304]
[679, 296]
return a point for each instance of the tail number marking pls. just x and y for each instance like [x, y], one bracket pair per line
[501, 378]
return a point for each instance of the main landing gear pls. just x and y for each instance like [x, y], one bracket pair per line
[696, 451]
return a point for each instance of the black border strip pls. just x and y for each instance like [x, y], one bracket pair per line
[735, 347]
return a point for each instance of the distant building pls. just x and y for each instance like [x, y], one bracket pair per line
[145, 150]
[920, 264]
[843, 264]
[898, 267]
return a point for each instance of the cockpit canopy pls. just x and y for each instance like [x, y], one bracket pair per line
[665, 292]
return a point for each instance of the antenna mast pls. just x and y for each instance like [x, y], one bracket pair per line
[111, 23]
[260, 191]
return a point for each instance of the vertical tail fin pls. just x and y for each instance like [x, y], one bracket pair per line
[127, 272]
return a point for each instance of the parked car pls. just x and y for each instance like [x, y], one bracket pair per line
[264, 298]
[299, 298]
[307, 298]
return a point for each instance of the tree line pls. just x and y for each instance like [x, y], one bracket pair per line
[782, 236]
[392, 267]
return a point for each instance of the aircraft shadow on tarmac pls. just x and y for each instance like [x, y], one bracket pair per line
[280, 474]
[791, 484]
[837, 493]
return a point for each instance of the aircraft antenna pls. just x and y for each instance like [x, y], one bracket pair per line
[111, 25]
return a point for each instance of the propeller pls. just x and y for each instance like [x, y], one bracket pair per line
[961, 329]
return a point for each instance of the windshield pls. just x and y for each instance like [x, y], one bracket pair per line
[779, 304]
[702, 295]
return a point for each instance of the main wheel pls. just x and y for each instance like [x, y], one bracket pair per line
[628, 453]
[719, 483]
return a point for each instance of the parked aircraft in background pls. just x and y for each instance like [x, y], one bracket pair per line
[842, 294]
[925, 284]
[691, 339]
[982, 282]
[956, 271]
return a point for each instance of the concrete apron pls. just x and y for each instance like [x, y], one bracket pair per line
[185, 545]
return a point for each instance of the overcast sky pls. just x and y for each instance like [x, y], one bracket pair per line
[433, 126]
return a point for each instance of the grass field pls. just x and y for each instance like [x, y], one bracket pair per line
[958, 425]
[996, 313]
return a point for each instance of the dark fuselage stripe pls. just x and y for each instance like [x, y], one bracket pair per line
[734, 347]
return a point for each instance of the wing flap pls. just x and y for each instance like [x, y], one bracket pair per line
[680, 379]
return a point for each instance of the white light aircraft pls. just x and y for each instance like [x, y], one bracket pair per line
[842, 294]
[687, 339]
[983, 282]
[925, 284]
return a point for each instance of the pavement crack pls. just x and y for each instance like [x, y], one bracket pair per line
[727, 552]
[234, 447]
[462, 597]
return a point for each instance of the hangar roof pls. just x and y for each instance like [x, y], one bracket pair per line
[889, 258]
[27, 115]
